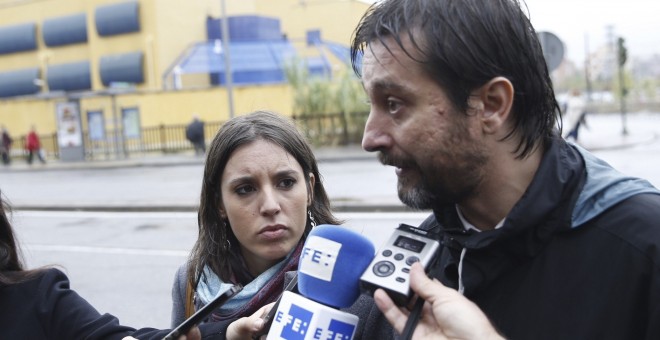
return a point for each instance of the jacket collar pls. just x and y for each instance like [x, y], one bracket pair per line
[544, 209]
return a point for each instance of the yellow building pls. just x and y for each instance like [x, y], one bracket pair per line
[114, 56]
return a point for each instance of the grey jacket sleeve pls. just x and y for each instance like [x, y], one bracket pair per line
[179, 296]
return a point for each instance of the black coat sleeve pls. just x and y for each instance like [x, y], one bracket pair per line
[66, 315]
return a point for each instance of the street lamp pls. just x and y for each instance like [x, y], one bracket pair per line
[225, 47]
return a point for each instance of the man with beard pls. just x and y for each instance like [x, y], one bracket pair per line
[547, 240]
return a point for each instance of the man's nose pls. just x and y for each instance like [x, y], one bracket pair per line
[375, 136]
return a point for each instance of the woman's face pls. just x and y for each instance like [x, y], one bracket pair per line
[265, 199]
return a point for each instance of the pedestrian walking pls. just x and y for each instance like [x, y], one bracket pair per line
[195, 134]
[5, 146]
[573, 116]
[33, 146]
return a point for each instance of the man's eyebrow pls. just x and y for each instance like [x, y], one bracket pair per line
[386, 86]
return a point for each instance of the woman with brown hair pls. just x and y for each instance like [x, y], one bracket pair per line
[261, 195]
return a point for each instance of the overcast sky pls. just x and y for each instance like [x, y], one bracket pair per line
[638, 21]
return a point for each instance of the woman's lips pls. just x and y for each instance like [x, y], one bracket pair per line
[273, 232]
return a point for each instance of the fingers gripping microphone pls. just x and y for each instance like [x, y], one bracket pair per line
[329, 271]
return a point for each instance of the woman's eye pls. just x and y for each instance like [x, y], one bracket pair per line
[287, 183]
[245, 189]
[393, 106]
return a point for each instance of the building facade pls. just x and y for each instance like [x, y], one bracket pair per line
[110, 57]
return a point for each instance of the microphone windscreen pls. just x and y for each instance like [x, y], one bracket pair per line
[331, 263]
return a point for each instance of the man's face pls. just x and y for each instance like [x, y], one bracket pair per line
[437, 150]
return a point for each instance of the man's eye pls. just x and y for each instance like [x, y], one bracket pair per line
[244, 190]
[287, 183]
[393, 106]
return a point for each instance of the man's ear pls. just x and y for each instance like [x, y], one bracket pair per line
[496, 97]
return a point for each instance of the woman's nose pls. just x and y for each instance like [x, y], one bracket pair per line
[270, 203]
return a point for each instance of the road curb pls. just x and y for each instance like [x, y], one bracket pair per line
[180, 208]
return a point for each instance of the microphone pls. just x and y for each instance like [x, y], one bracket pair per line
[329, 270]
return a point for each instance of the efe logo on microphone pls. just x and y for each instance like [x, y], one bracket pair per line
[318, 257]
[296, 323]
[298, 320]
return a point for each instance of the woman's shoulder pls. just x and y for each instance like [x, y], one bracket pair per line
[39, 278]
[181, 277]
[52, 275]
[182, 272]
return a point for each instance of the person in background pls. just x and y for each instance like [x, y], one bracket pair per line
[39, 303]
[547, 240]
[195, 134]
[5, 146]
[574, 116]
[261, 195]
[33, 146]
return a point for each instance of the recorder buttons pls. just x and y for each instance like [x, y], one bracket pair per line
[399, 257]
[411, 260]
[383, 268]
[387, 253]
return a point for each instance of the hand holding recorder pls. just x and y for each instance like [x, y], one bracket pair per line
[446, 313]
[390, 269]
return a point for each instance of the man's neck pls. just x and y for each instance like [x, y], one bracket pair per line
[505, 181]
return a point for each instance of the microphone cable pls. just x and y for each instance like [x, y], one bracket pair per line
[416, 312]
[413, 319]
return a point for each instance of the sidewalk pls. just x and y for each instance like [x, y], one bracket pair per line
[323, 154]
[354, 179]
[602, 132]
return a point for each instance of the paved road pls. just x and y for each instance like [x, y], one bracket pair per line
[354, 179]
[124, 263]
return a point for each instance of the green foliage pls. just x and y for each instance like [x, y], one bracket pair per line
[332, 108]
[349, 94]
[322, 94]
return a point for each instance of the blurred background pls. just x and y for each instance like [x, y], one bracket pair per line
[106, 79]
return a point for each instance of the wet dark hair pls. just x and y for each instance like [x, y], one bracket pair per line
[214, 232]
[464, 44]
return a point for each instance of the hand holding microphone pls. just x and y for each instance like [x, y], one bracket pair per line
[248, 327]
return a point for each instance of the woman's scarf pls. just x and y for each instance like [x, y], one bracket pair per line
[263, 290]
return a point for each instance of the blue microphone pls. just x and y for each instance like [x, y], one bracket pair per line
[329, 270]
[331, 264]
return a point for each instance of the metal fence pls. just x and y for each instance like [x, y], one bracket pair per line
[321, 130]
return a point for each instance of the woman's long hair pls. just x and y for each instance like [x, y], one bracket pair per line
[211, 248]
[12, 269]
